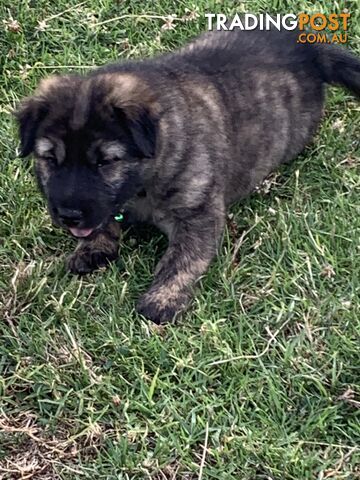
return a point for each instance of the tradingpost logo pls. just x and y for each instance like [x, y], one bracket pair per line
[331, 28]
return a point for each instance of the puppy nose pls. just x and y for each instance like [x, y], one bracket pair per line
[69, 216]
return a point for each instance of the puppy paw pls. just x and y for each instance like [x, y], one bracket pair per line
[159, 307]
[86, 261]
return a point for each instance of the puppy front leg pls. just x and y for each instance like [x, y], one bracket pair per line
[191, 249]
[96, 251]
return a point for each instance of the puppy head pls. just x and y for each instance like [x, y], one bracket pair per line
[93, 139]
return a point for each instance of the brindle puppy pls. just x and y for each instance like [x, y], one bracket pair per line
[174, 141]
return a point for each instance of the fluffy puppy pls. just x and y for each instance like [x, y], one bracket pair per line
[174, 141]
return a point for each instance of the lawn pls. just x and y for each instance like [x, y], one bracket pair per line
[261, 378]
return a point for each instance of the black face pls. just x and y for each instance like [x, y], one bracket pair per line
[89, 175]
[88, 172]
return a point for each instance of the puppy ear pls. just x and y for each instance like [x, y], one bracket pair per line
[33, 110]
[142, 127]
[29, 116]
[136, 107]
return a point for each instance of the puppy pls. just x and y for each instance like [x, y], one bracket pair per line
[174, 141]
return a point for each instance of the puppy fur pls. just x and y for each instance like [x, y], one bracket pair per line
[174, 141]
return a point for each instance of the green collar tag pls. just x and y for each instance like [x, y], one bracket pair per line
[119, 217]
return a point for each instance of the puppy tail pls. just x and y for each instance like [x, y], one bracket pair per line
[339, 67]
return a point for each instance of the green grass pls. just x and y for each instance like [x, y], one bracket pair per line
[88, 389]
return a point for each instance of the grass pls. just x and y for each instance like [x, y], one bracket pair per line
[260, 380]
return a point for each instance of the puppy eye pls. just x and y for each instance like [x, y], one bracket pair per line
[104, 161]
[49, 157]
